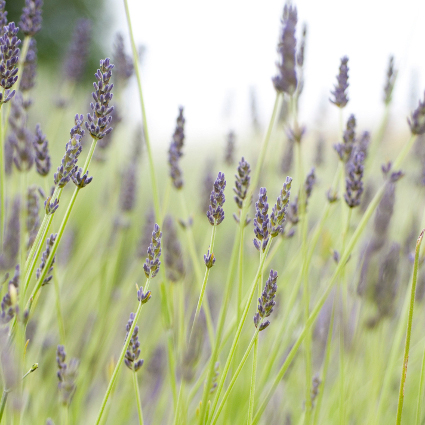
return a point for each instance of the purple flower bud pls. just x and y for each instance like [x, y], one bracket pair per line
[215, 211]
[133, 352]
[354, 180]
[209, 259]
[124, 68]
[261, 221]
[266, 302]
[98, 123]
[46, 261]
[42, 157]
[31, 19]
[339, 93]
[9, 58]
[9, 307]
[278, 215]
[30, 68]
[3, 15]
[81, 180]
[286, 79]
[78, 51]
[417, 120]
[175, 151]
[152, 263]
[67, 375]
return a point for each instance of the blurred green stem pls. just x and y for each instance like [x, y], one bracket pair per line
[121, 357]
[137, 394]
[409, 330]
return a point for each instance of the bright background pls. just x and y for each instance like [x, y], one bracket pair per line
[207, 55]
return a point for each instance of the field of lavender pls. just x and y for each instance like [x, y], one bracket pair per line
[261, 288]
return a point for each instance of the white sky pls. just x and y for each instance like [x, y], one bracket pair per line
[201, 54]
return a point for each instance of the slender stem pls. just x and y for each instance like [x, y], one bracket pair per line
[3, 402]
[121, 358]
[420, 392]
[220, 326]
[145, 123]
[240, 326]
[235, 376]
[196, 266]
[63, 224]
[204, 283]
[409, 330]
[254, 364]
[136, 392]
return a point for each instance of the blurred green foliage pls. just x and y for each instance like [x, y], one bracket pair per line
[59, 18]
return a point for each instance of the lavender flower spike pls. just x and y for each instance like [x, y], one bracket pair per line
[72, 151]
[124, 63]
[261, 221]
[340, 97]
[45, 259]
[286, 79]
[9, 58]
[266, 302]
[99, 121]
[42, 157]
[3, 15]
[354, 183]
[152, 263]
[30, 22]
[67, 375]
[241, 187]
[78, 51]
[132, 354]
[175, 151]
[215, 211]
[417, 120]
[390, 82]
[278, 215]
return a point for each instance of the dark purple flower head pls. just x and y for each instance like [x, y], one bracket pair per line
[175, 151]
[3, 15]
[132, 354]
[209, 259]
[354, 180]
[67, 375]
[72, 151]
[42, 157]
[9, 307]
[261, 221]
[345, 149]
[78, 51]
[9, 58]
[340, 97]
[152, 263]
[417, 120]
[286, 79]
[30, 68]
[390, 81]
[99, 121]
[241, 186]
[81, 179]
[31, 19]
[51, 206]
[309, 183]
[20, 137]
[46, 261]
[278, 215]
[215, 211]
[124, 68]
[266, 302]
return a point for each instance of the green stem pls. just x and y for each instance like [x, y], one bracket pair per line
[121, 358]
[240, 326]
[63, 225]
[235, 376]
[220, 326]
[204, 283]
[144, 119]
[3, 402]
[409, 330]
[136, 392]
